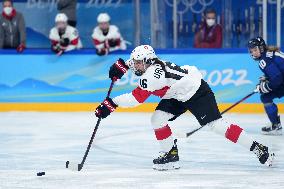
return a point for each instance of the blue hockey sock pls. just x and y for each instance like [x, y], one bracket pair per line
[272, 112]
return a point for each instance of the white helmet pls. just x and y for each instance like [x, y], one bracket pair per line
[61, 17]
[144, 53]
[103, 17]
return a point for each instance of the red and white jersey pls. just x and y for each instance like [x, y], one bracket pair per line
[71, 33]
[100, 39]
[180, 83]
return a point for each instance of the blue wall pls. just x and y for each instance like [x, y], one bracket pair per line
[40, 76]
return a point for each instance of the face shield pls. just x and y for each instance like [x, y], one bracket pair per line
[138, 67]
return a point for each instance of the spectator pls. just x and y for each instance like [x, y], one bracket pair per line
[64, 37]
[68, 7]
[209, 34]
[106, 37]
[12, 28]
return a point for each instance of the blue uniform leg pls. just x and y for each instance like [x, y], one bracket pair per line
[272, 112]
[270, 107]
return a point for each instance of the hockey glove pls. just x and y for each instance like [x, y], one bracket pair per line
[263, 87]
[118, 69]
[21, 48]
[102, 52]
[113, 42]
[64, 42]
[105, 108]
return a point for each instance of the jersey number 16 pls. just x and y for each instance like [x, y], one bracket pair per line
[143, 83]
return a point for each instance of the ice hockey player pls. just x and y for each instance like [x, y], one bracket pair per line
[271, 85]
[106, 37]
[181, 89]
[64, 37]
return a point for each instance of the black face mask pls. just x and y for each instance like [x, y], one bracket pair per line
[61, 31]
[105, 31]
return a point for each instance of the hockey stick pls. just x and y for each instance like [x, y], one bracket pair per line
[229, 108]
[78, 167]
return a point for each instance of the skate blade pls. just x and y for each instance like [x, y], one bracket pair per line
[270, 159]
[166, 166]
[274, 133]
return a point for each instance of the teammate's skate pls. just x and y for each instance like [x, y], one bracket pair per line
[273, 129]
[167, 160]
[261, 151]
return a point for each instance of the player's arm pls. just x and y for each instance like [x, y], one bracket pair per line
[72, 42]
[54, 39]
[109, 105]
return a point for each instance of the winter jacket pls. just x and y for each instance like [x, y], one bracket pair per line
[12, 30]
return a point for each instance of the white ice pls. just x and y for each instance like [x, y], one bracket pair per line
[122, 153]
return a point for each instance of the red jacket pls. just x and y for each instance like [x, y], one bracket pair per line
[207, 37]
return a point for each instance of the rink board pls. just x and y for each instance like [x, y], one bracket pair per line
[40, 81]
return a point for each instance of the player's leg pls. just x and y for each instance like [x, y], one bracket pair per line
[165, 111]
[271, 110]
[205, 109]
[162, 130]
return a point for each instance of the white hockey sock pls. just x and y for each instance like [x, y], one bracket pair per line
[164, 137]
[232, 132]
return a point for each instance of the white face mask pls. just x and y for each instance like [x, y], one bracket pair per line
[210, 21]
[8, 10]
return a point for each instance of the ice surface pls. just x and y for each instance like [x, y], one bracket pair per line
[122, 153]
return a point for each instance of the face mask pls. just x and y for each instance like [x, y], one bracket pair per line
[210, 22]
[8, 10]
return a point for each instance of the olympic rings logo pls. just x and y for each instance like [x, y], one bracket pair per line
[196, 6]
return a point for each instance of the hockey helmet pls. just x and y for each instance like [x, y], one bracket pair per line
[259, 43]
[144, 54]
[103, 17]
[61, 17]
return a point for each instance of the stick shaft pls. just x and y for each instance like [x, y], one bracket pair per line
[80, 166]
[226, 110]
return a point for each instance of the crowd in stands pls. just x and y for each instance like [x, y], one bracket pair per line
[106, 37]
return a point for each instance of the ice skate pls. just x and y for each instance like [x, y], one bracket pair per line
[262, 153]
[273, 129]
[167, 160]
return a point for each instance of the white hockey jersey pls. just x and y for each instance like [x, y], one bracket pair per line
[100, 39]
[71, 33]
[180, 83]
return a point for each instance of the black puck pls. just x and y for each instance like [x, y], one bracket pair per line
[39, 174]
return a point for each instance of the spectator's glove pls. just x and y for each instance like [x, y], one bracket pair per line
[105, 108]
[64, 42]
[21, 48]
[113, 42]
[102, 52]
[118, 69]
[262, 87]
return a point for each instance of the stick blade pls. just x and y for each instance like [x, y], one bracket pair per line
[73, 166]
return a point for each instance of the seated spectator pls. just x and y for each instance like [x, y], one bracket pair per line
[12, 28]
[68, 7]
[106, 37]
[209, 34]
[64, 37]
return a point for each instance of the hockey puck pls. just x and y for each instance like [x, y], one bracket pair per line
[39, 174]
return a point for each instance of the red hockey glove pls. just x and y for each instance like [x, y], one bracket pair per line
[105, 108]
[118, 69]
